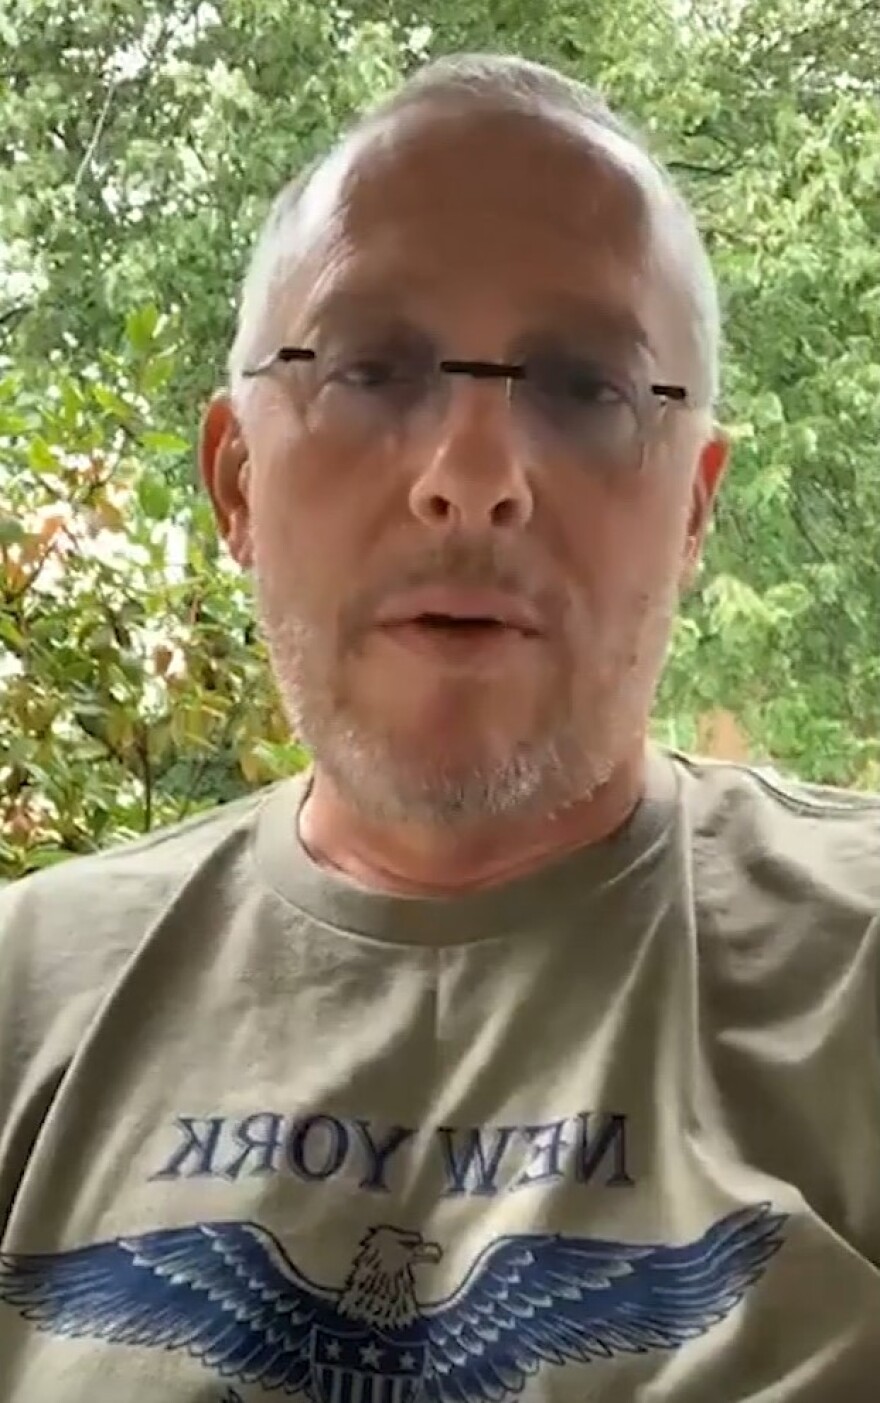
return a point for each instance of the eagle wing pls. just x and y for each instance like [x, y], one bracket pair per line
[530, 1300]
[225, 1293]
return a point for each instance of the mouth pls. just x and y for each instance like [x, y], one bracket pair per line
[461, 627]
[472, 642]
[473, 626]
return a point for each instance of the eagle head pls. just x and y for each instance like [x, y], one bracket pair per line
[380, 1286]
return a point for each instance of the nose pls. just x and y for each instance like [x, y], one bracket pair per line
[473, 475]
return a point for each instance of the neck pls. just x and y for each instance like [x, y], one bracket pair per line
[434, 861]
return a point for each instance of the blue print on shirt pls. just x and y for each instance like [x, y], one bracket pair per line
[227, 1294]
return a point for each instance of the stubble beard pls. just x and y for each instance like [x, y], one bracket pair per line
[389, 783]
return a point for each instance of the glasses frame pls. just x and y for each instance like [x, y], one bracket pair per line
[477, 369]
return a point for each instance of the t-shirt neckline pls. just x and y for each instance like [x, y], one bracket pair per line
[569, 882]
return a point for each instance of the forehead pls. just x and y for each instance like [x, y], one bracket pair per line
[517, 173]
[475, 209]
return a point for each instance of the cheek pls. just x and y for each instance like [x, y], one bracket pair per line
[303, 550]
[299, 478]
[626, 549]
[284, 554]
[275, 528]
[321, 513]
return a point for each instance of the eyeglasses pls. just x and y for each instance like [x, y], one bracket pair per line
[561, 400]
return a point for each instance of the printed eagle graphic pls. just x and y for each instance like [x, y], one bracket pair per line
[228, 1295]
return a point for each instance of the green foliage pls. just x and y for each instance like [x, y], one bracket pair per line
[133, 690]
[140, 144]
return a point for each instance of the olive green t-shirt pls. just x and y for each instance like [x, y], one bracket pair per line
[610, 1132]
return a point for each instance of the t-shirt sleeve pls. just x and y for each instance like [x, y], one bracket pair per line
[67, 936]
[57, 959]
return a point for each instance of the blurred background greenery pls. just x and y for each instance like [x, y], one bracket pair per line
[140, 144]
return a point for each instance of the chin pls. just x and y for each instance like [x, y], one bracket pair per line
[440, 756]
[467, 716]
[446, 780]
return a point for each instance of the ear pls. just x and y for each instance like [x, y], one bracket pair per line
[711, 468]
[225, 470]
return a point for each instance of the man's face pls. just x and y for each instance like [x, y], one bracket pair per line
[387, 512]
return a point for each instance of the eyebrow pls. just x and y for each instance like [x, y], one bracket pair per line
[589, 314]
[582, 314]
[342, 303]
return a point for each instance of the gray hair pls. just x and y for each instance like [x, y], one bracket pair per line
[500, 83]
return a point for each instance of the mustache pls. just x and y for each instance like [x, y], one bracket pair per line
[483, 564]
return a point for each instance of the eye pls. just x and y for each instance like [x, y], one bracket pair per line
[368, 373]
[376, 370]
[580, 383]
[586, 406]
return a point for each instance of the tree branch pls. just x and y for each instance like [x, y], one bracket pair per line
[692, 169]
[12, 312]
[95, 137]
[143, 749]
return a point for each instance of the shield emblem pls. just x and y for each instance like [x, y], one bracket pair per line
[363, 1365]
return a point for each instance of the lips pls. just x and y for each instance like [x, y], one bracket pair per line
[455, 624]
[457, 610]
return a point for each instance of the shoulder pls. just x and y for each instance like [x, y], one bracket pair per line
[67, 931]
[126, 883]
[70, 933]
[757, 833]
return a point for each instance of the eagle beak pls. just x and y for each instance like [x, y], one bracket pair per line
[428, 1252]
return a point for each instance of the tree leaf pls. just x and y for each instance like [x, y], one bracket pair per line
[140, 327]
[164, 442]
[11, 531]
[154, 496]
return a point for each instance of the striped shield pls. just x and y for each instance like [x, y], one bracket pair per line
[365, 1366]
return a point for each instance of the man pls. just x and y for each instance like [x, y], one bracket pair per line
[503, 1055]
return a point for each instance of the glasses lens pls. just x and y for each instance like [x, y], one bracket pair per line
[587, 409]
[369, 384]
